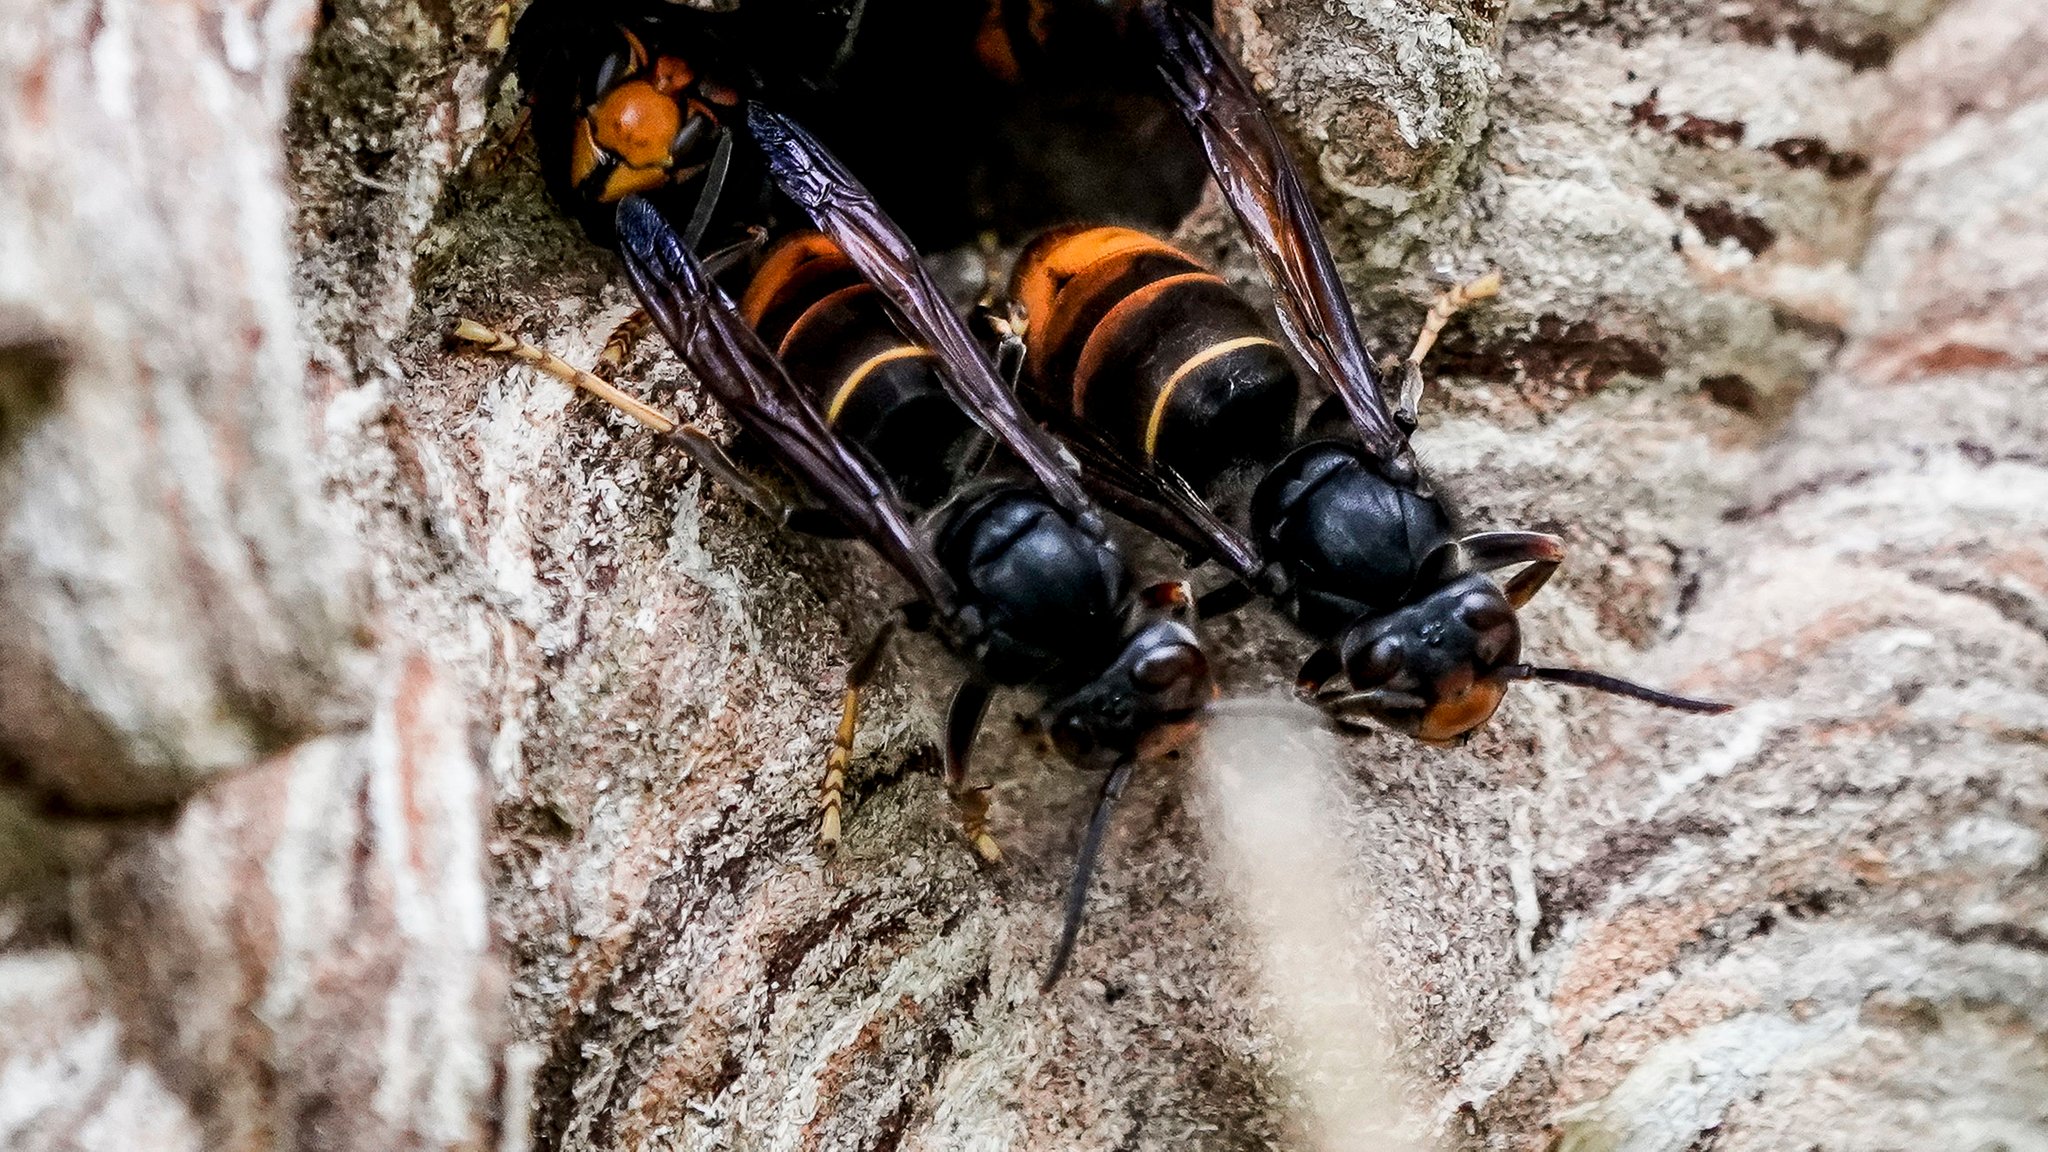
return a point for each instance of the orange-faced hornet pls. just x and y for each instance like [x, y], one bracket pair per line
[648, 96]
[645, 96]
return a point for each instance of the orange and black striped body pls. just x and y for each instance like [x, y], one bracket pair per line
[832, 329]
[1145, 346]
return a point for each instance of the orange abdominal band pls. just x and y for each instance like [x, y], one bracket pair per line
[1096, 348]
[785, 260]
[1050, 265]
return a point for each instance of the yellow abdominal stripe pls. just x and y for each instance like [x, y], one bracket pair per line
[1189, 366]
[867, 368]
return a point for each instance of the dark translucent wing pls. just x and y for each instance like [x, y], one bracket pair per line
[1265, 191]
[843, 210]
[1163, 505]
[730, 360]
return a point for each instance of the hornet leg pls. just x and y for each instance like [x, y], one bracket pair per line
[1523, 586]
[1348, 710]
[708, 194]
[832, 791]
[992, 326]
[619, 345]
[1447, 305]
[963, 720]
[1224, 599]
[1316, 671]
[499, 147]
[693, 440]
[499, 34]
[1004, 327]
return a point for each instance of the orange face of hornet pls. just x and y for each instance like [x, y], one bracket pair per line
[1435, 669]
[1462, 704]
[652, 122]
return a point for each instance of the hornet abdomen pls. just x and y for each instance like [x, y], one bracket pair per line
[881, 391]
[1143, 344]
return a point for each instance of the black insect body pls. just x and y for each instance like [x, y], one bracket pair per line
[1015, 575]
[1169, 389]
[647, 114]
[1047, 594]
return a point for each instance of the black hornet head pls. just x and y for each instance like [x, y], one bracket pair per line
[1433, 669]
[1438, 668]
[1143, 705]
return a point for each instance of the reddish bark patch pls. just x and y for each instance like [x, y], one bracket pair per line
[1720, 221]
[1610, 863]
[1769, 21]
[1896, 360]
[849, 1064]
[1954, 356]
[415, 740]
[1805, 152]
[1695, 131]
[1558, 363]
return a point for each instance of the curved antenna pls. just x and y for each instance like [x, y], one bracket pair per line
[1084, 867]
[1601, 682]
[707, 196]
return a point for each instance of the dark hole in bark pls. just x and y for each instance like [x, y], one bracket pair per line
[31, 373]
[34, 872]
[954, 148]
[1733, 391]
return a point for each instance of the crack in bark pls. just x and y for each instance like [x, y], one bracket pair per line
[1822, 484]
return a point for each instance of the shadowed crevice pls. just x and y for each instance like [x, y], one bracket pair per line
[31, 377]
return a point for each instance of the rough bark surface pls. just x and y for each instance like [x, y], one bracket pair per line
[175, 604]
[399, 753]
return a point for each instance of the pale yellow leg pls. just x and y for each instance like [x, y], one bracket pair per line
[972, 805]
[693, 440]
[500, 32]
[1447, 305]
[495, 152]
[832, 793]
[498, 342]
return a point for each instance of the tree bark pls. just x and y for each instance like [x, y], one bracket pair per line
[399, 752]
